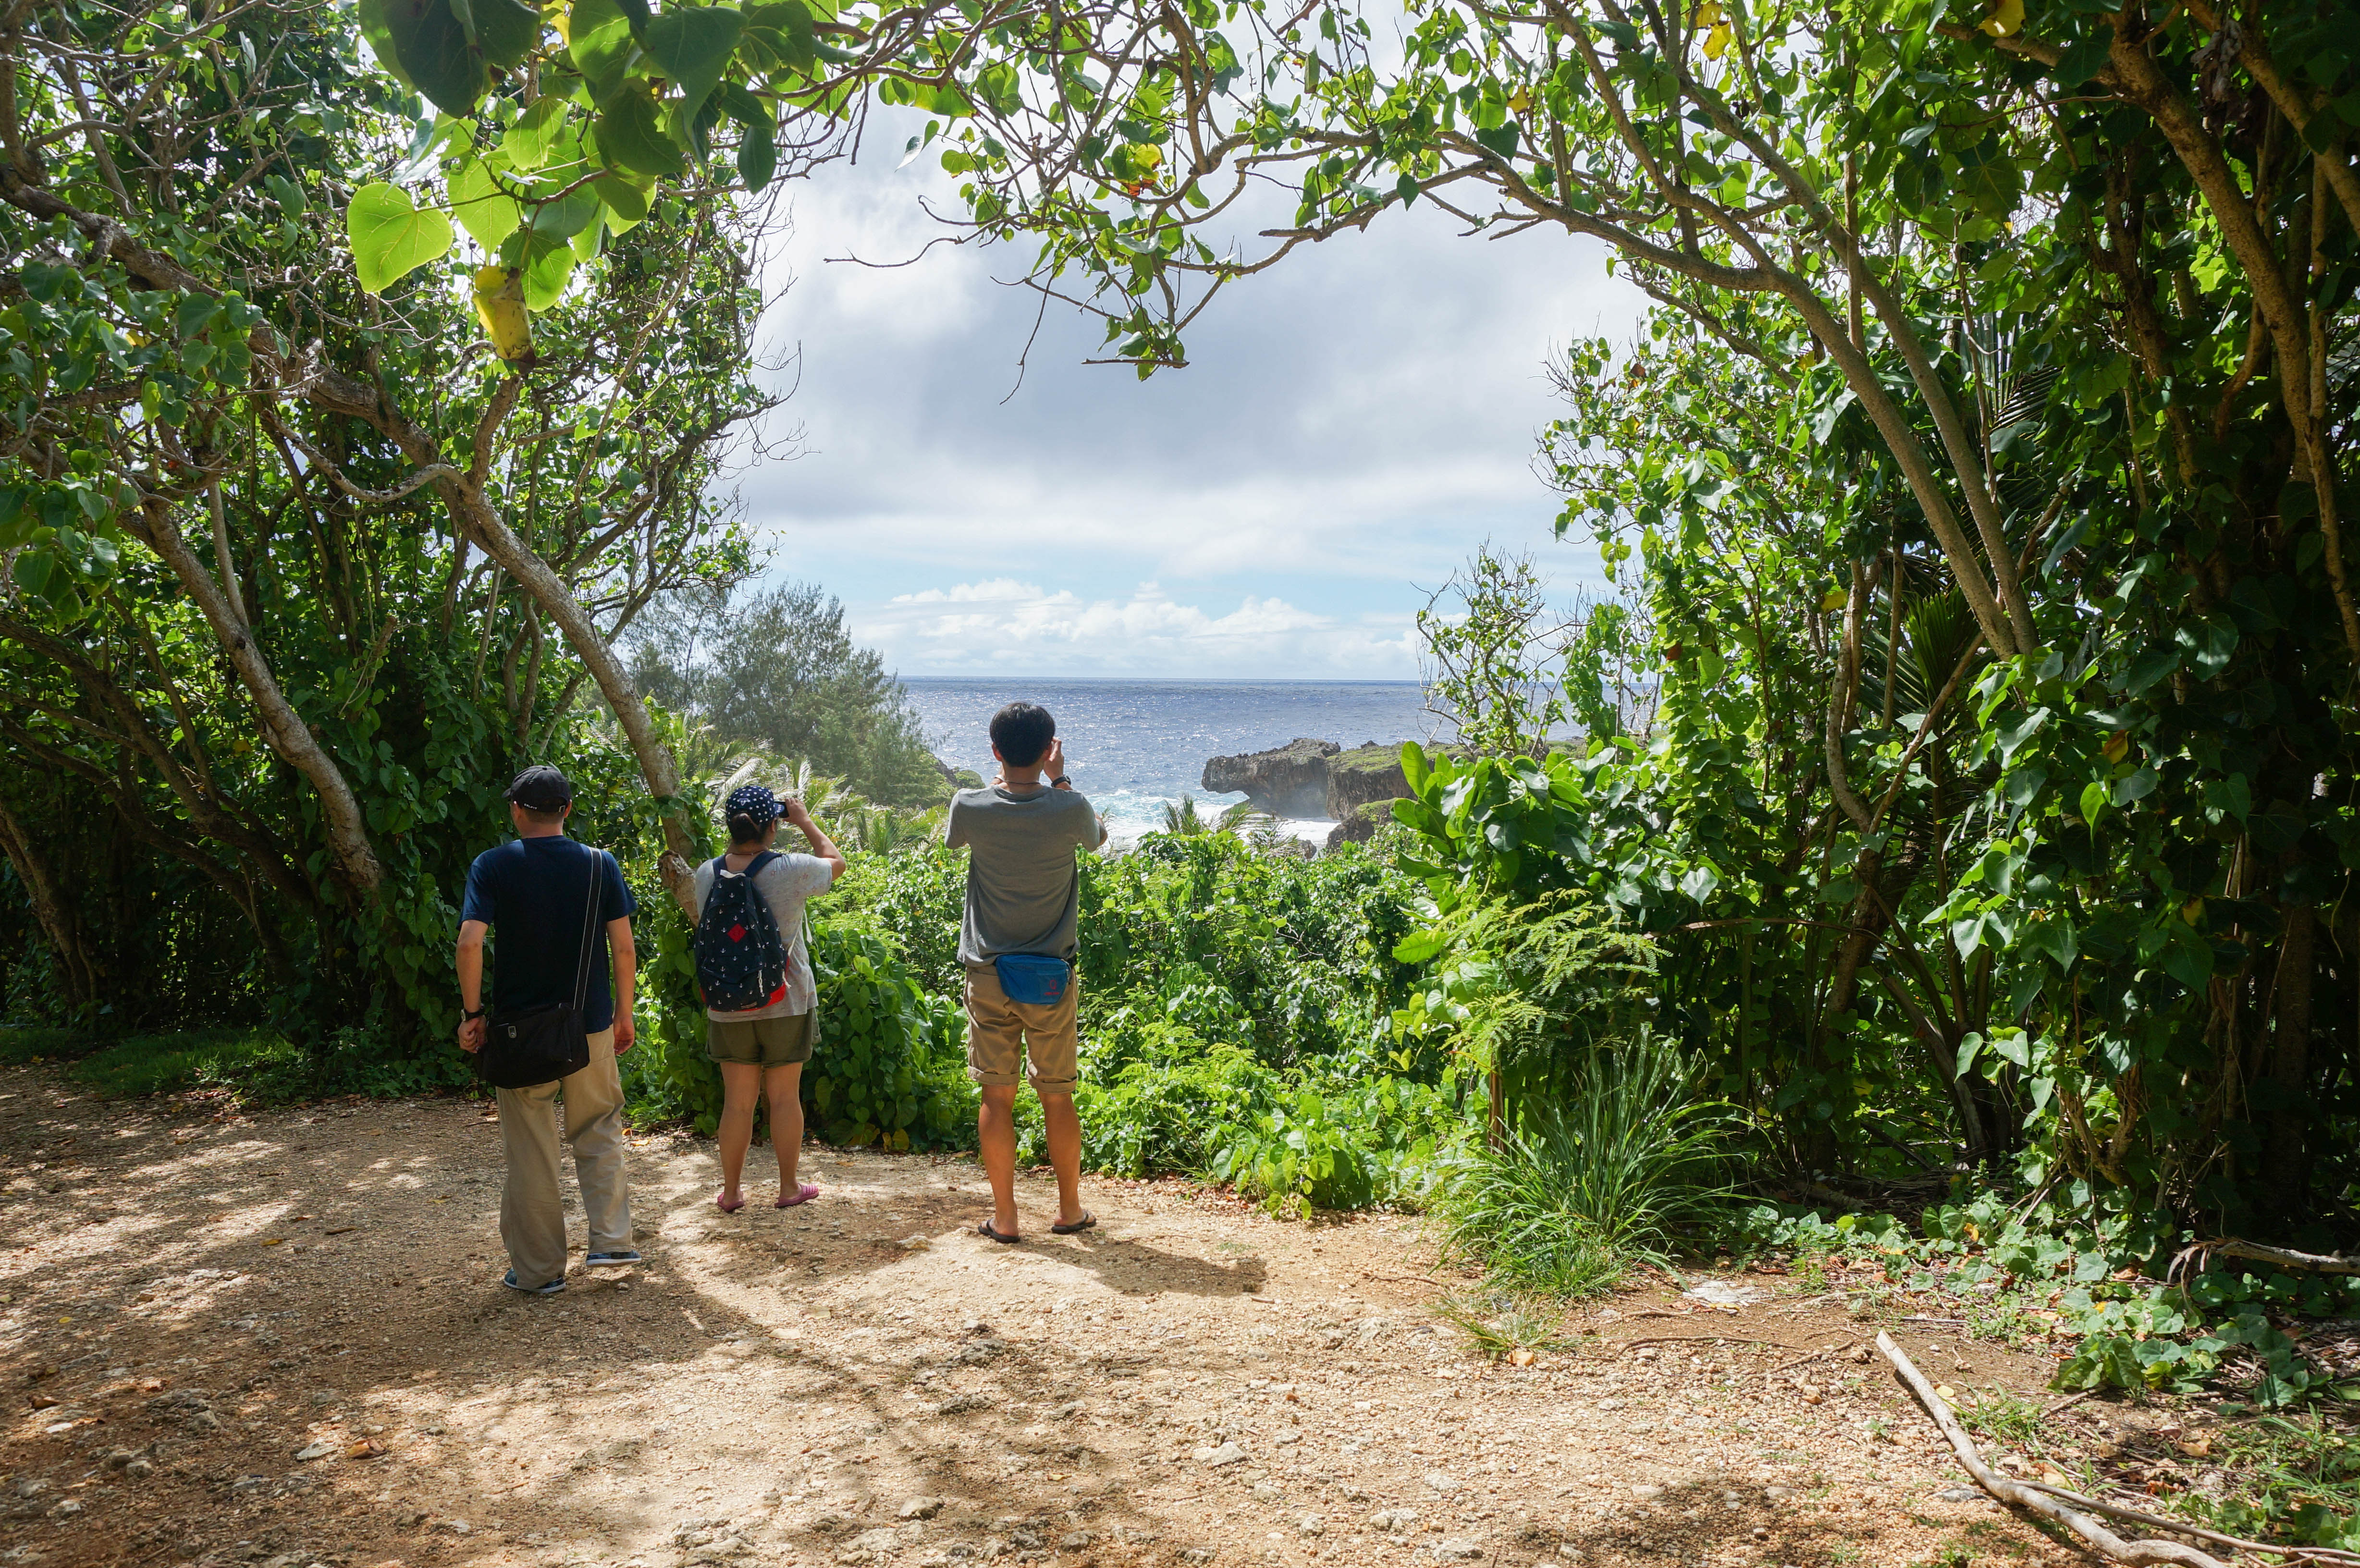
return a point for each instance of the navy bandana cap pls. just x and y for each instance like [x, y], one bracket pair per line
[753, 801]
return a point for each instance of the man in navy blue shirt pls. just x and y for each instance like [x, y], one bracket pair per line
[532, 892]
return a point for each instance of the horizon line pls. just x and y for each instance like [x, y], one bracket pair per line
[1173, 680]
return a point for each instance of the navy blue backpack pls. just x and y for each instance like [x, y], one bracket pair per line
[741, 957]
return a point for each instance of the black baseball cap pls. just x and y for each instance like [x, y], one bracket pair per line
[540, 788]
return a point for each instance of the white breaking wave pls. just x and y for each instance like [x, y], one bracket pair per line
[1130, 815]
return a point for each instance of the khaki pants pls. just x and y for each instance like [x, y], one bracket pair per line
[532, 1216]
[1001, 1035]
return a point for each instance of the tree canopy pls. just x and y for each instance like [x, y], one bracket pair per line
[777, 666]
[364, 383]
[1981, 470]
[1984, 462]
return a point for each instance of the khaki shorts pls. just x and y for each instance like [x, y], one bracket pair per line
[1000, 1034]
[760, 1043]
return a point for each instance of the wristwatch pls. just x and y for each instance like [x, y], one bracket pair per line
[467, 1017]
[1060, 782]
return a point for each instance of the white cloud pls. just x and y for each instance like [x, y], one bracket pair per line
[1353, 424]
[1001, 624]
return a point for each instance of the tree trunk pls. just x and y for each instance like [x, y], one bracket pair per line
[1843, 692]
[478, 520]
[340, 812]
[2285, 1144]
[60, 920]
[2142, 81]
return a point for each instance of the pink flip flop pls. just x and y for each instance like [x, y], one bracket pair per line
[804, 1194]
[727, 1208]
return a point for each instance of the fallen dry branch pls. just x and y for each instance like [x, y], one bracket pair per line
[2033, 1500]
[2061, 1406]
[2156, 1521]
[1698, 1339]
[2285, 1258]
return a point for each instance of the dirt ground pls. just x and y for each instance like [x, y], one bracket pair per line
[281, 1340]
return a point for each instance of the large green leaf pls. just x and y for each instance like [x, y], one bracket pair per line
[527, 143]
[548, 267]
[600, 42]
[487, 213]
[779, 36]
[631, 136]
[434, 54]
[758, 155]
[627, 204]
[568, 215]
[692, 45]
[390, 238]
[740, 105]
[503, 31]
[377, 28]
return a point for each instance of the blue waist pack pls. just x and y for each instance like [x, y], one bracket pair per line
[1032, 979]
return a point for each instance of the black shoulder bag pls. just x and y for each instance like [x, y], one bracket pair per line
[539, 1045]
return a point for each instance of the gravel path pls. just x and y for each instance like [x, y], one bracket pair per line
[279, 1340]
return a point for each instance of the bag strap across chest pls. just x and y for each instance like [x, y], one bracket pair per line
[597, 858]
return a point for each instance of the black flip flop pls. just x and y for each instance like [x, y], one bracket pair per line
[1087, 1222]
[985, 1229]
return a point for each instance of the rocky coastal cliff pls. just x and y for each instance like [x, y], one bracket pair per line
[1311, 778]
[1290, 780]
[1361, 776]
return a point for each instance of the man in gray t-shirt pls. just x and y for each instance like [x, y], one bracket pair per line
[1023, 891]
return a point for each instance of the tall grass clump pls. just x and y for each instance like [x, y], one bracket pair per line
[1607, 1175]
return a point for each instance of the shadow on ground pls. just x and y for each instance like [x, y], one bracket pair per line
[282, 1342]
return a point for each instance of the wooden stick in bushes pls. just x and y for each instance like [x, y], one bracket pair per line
[2015, 1495]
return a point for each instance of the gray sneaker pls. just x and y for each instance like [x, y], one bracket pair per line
[611, 1259]
[550, 1288]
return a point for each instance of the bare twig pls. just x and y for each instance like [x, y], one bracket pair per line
[2156, 1521]
[2285, 1258]
[1814, 1356]
[1705, 1339]
[321, 462]
[2032, 1499]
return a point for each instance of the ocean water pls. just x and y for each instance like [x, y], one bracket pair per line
[1135, 746]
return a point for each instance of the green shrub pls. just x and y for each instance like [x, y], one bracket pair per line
[1297, 1157]
[21, 1045]
[1169, 1114]
[667, 1076]
[1608, 1175]
[1230, 1003]
[887, 1065]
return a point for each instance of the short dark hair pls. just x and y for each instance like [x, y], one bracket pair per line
[1021, 732]
[540, 819]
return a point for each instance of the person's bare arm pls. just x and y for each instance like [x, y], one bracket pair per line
[471, 983]
[1052, 768]
[627, 970]
[822, 845]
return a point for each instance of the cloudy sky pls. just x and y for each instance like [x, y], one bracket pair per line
[1352, 425]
